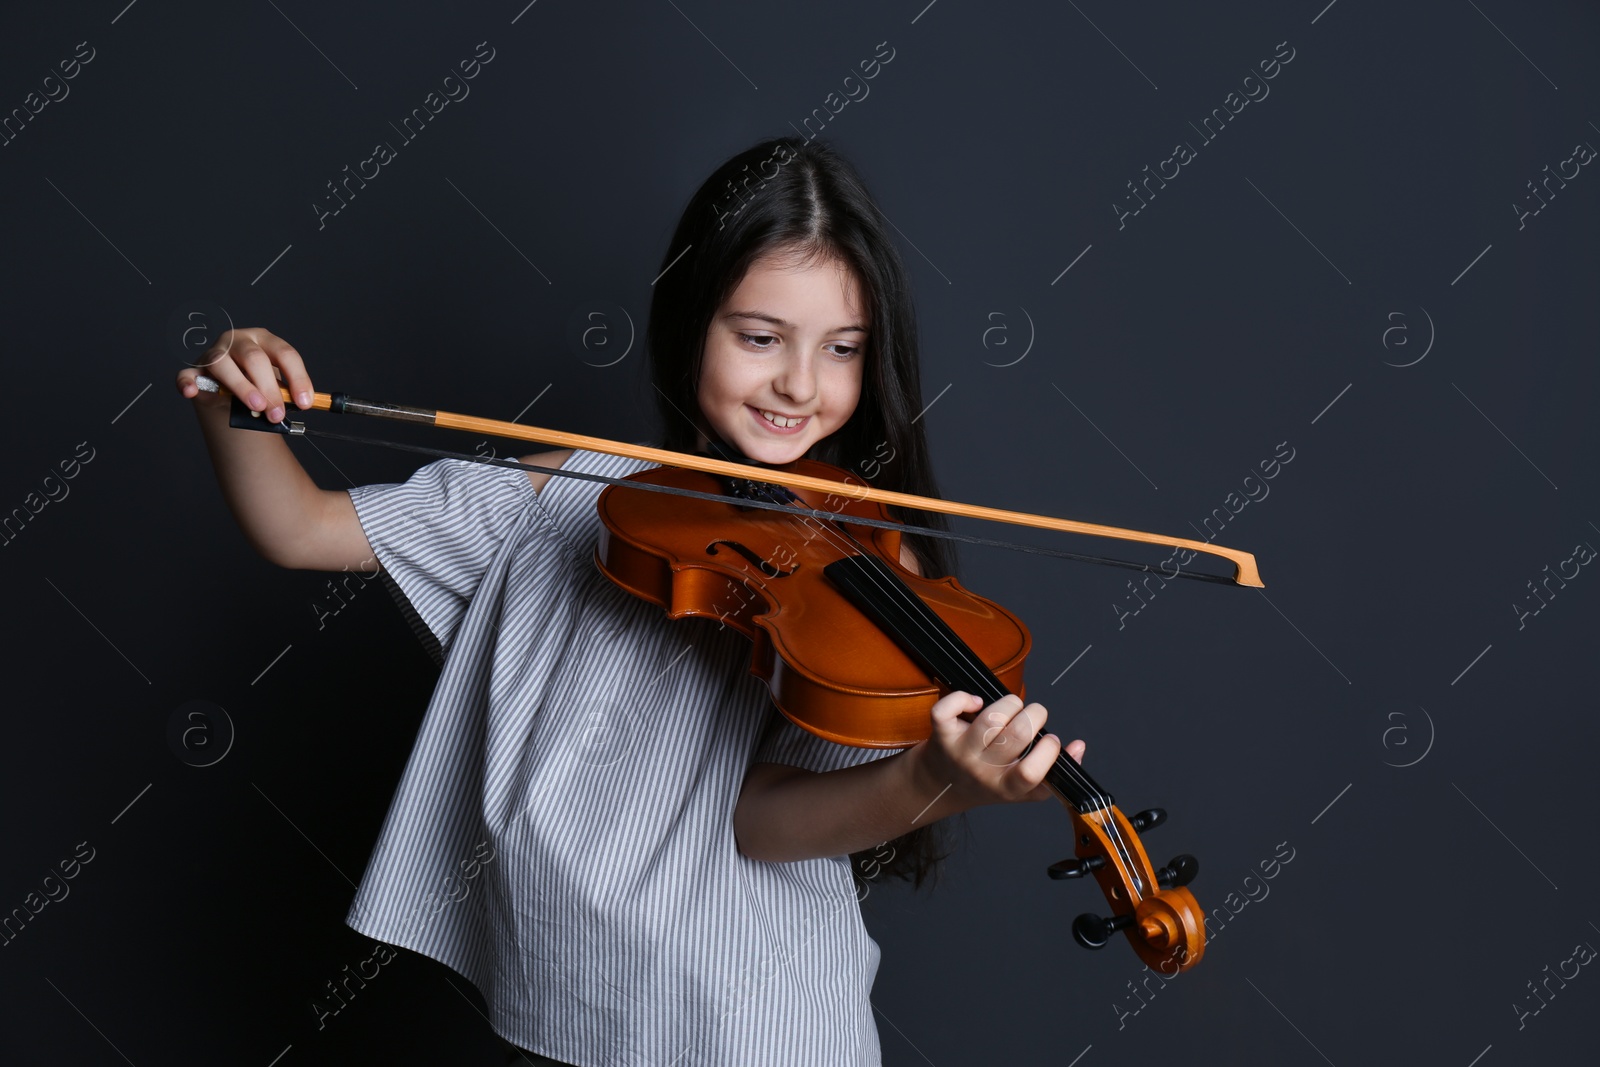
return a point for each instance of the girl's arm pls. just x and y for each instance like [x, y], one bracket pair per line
[787, 813]
[284, 515]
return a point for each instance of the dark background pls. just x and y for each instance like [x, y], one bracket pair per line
[1378, 710]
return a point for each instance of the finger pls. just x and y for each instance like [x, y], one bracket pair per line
[218, 364]
[1034, 767]
[188, 383]
[293, 367]
[1076, 750]
[219, 349]
[258, 366]
[954, 704]
[1004, 730]
[230, 377]
[947, 712]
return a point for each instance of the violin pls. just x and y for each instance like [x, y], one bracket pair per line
[853, 646]
[856, 648]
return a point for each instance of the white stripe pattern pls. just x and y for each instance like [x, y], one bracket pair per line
[562, 833]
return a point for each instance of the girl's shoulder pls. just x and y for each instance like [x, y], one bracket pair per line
[553, 460]
[585, 461]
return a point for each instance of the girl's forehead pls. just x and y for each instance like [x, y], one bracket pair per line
[808, 280]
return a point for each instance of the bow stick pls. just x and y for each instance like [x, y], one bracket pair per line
[1244, 564]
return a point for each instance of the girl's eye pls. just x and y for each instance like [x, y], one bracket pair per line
[761, 342]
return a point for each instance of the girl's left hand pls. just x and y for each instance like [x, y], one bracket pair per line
[970, 758]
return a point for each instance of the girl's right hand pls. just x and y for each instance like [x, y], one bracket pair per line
[248, 363]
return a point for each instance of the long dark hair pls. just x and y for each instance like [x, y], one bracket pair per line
[789, 194]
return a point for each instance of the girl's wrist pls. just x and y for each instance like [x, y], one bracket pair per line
[931, 795]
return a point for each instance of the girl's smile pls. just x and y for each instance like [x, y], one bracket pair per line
[781, 423]
[784, 357]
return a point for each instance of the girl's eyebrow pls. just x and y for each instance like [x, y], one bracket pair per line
[764, 317]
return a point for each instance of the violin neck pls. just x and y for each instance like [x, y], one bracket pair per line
[879, 593]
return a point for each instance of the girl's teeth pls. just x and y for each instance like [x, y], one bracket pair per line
[779, 420]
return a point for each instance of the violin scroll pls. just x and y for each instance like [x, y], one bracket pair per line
[1161, 918]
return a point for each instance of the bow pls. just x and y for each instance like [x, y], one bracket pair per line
[1244, 564]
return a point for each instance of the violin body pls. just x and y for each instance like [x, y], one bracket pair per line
[830, 669]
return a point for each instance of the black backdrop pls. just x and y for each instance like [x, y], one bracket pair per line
[1376, 268]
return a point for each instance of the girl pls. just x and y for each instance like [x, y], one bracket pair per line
[660, 856]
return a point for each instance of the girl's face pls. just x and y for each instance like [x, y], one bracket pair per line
[783, 358]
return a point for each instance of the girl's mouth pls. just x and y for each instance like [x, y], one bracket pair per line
[774, 422]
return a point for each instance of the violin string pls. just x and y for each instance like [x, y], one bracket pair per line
[891, 587]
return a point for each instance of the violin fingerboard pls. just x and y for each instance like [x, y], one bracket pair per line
[881, 596]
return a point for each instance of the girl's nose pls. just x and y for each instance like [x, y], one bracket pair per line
[796, 380]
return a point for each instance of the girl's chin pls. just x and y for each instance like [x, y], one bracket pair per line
[774, 453]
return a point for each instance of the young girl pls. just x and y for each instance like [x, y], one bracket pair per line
[660, 856]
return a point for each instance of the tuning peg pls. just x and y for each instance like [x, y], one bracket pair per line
[1072, 867]
[1148, 819]
[1091, 931]
[1180, 870]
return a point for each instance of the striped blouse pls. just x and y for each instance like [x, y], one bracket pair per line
[562, 835]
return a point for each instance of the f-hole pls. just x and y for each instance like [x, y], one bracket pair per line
[764, 566]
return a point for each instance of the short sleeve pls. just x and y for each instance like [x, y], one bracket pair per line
[436, 533]
[784, 742]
